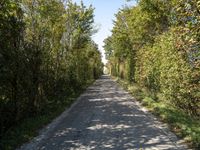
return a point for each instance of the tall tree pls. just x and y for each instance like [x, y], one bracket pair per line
[46, 54]
[158, 43]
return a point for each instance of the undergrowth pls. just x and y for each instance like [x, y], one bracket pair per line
[30, 127]
[184, 125]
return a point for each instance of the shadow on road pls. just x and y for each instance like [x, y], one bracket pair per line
[107, 117]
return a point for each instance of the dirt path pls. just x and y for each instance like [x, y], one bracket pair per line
[105, 117]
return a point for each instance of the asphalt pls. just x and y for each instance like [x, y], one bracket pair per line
[105, 117]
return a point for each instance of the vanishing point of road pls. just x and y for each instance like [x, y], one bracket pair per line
[105, 117]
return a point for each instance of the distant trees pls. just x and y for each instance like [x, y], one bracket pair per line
[156, 44]
[46, 51]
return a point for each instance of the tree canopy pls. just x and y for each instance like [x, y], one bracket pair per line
[156, 44]
[46, 54]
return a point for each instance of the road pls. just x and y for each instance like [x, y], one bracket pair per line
[105, 117]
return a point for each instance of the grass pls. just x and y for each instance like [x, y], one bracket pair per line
[185, 126]
[29, 128]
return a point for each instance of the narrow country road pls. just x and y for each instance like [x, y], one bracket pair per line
[105, 117]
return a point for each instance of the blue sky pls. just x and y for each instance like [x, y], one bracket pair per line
[104, 16]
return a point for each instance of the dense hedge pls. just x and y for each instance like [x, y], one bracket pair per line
[164, 55]
[162, 68]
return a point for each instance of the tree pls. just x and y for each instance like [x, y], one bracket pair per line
[46, 55]
[157, 42]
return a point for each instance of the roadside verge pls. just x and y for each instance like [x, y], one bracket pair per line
[183, 125]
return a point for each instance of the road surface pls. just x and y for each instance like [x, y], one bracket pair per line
[105, 117]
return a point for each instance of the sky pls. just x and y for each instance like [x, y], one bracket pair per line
[104, 12]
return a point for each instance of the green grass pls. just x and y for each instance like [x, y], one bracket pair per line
[29, 128]
[185, 126]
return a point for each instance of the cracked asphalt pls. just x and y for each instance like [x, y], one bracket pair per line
[105, 117]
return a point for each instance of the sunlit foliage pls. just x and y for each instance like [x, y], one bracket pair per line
[156, 44]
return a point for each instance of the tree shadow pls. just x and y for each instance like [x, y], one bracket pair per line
[106, 118]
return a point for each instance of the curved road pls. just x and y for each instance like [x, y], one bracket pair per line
[105, 117]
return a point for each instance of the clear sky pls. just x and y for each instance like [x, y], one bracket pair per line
[104, 16]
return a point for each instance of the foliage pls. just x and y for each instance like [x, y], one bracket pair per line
[28, 128]
[181, 123]
[46, 53]
[157, 43]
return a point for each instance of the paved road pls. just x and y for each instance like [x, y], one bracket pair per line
[105, 117]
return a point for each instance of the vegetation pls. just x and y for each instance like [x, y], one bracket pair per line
[156, 45]
[46, 56]
[181, 123]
